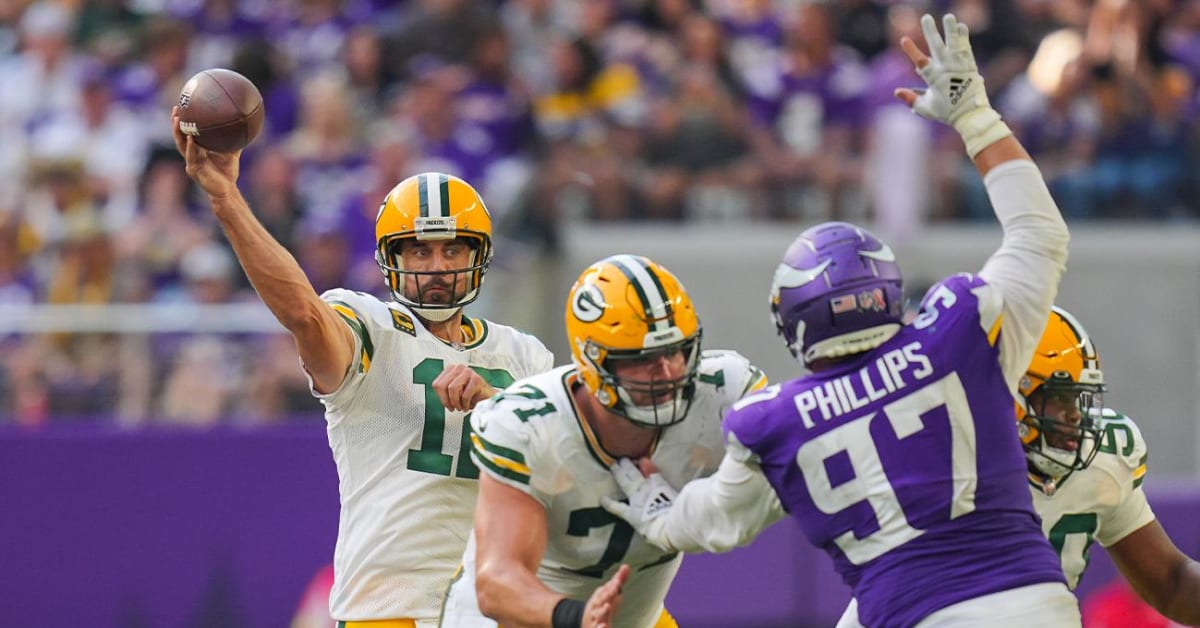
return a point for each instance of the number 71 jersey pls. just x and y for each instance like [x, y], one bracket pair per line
[405, 477]
[904, 463]
[532, 438]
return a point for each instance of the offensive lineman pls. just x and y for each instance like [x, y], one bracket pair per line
[545, 552]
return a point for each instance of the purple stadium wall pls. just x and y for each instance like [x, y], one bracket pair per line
[109, 528]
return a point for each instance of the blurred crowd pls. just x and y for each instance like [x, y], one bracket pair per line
[557, 110]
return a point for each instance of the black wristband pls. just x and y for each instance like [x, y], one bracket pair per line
[568, 613]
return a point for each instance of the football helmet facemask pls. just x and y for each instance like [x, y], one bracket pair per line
[629, 309]
[425, 207]
[1062, 400]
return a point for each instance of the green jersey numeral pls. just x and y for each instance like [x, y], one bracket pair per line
[1109, 443]
[529, 391]
[581, 523]
[430, 458]
[1074, 563]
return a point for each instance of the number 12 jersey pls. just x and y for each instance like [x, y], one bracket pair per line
[405, 475]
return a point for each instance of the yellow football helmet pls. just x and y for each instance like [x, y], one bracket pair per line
[433, 206]
[626, 307]
[1065, 372]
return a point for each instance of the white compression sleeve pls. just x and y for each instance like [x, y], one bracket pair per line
[723, 511]
[1030, 261]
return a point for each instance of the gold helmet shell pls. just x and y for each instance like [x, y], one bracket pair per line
[1065, 365]
[433, 206]
[629, 307]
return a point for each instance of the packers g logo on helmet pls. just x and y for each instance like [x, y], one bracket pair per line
[1065, 367]
[433, 206]
[627, 307]
[588, 304]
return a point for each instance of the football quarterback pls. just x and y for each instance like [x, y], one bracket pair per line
[396, 379]
[402, 445]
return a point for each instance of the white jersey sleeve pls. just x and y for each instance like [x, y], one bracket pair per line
[740, 496]
[1026, 269]
[1125, 457]
[731, 370]
[361, 313]
[503, 441]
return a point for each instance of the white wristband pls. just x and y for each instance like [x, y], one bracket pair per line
[981, 128]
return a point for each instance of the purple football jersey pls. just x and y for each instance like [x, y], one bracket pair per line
[905, 466]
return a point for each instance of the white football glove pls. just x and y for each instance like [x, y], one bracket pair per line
[956, 93]
[649, 499]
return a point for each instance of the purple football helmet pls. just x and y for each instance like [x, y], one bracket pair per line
[838, 291]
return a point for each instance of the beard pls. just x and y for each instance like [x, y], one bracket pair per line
[436, 292]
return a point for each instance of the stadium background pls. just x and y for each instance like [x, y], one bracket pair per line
[162, 463]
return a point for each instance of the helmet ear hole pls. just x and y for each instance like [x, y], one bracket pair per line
[623, 314]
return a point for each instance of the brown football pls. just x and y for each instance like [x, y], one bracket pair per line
[221, 109]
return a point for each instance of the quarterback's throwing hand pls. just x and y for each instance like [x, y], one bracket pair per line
[956, 94]
[217, 173]
[649, 499]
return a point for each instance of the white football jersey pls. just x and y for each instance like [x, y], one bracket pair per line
[407, 485]
[531, 437]
[1103, 502]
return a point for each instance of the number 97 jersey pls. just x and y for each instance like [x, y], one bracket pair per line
[532, 437]
[904, 464]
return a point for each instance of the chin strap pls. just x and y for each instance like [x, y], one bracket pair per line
[435, 315]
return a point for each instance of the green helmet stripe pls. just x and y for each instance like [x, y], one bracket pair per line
[444, 194]
[423, 197]
[649, 290]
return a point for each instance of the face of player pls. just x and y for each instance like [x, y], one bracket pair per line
[1064, 407]
[651, 379]
[434, 267]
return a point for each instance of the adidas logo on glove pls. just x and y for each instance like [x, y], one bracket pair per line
[661, 502]
[957, 87]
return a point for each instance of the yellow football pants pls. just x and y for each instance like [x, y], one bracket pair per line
[664, 621]
[379, 623]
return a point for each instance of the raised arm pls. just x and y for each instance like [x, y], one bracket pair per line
[325, 343]
[1032, 257]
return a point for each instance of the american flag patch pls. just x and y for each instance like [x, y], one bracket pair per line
[843, 304]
